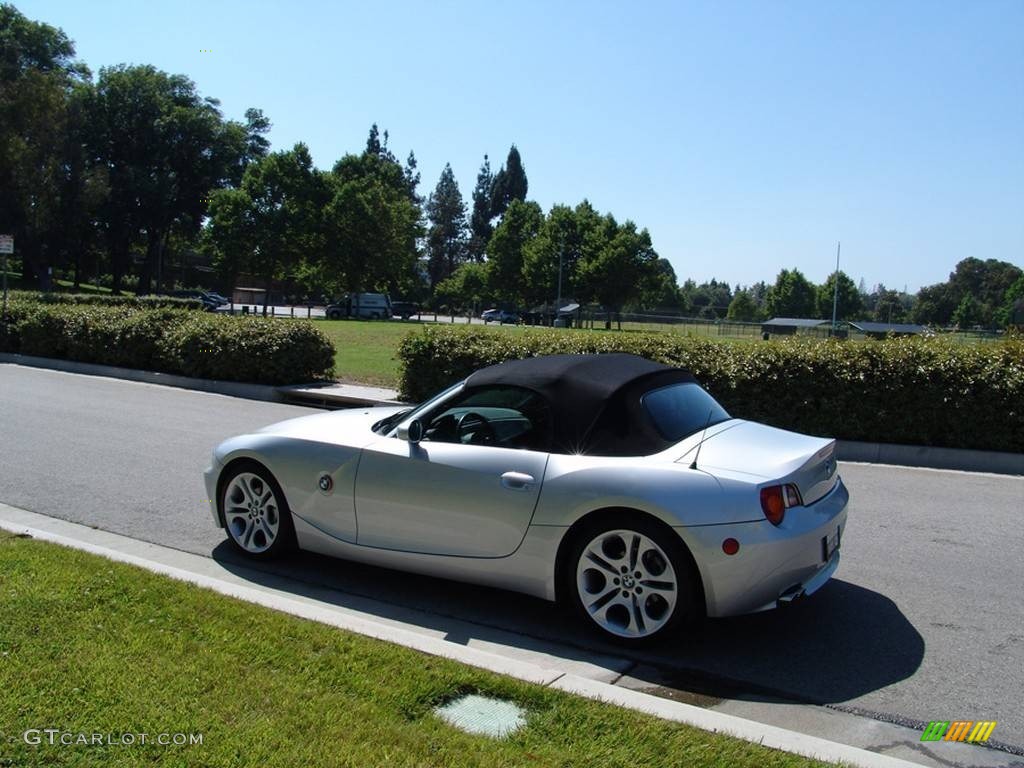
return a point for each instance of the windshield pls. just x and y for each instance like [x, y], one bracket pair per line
[384, 426]
[680, 410]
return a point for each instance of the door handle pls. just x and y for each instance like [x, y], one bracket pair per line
[517, 481]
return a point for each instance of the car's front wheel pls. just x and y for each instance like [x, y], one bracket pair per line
[256, 514]
[631, 580]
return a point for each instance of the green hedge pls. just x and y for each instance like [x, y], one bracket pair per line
[179, 341]
[912, 391]
[101, 299]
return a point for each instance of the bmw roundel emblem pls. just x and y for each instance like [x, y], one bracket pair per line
[325, 482]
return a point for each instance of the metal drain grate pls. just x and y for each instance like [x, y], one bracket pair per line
[483, 715]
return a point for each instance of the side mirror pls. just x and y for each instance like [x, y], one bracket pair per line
[411, 432]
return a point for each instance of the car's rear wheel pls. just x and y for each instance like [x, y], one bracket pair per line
[256, 515]
[631, 580]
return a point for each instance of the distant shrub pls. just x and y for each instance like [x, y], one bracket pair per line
[914, 391]
[179, 341]
[101, 299]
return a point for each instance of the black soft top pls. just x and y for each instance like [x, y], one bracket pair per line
[594, 399]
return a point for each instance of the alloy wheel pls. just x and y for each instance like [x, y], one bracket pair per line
[626, 583]
[251, 512]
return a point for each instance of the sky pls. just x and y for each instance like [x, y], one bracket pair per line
[747, 137]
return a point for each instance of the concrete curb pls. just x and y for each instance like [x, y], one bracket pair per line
[134, 553]
[345, 395]
[231, 388]
[997, 462]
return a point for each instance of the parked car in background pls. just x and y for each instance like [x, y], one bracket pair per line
[209, 303]
[502, 316]
[371, 306]
[404, 309]
[222, 301]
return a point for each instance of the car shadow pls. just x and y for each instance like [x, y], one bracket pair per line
[842, 643]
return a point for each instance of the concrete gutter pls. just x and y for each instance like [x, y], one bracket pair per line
[339, 395]
[207, 573]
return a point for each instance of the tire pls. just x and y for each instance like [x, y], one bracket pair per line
[255, 513]
[334, 314]
[658, 593]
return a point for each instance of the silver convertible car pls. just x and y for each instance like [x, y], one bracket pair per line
[611, 483]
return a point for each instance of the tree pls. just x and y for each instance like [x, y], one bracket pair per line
[41, 162]
[467, 286]
[230, 234]
[986, 281]
[272, 222]
[849, 305]
[480, 228]
[520, 224]
[510, 184]
[1012, 311]
[967, 313]
[371, 222]
[663, 294]
[759, 294]
[559, 237]
[446, 237]
[708, 300]
[618, 272]
[412, 179]
[887, 306]
[742, 307]
[935, 305]
[792, 295]
[164, 148]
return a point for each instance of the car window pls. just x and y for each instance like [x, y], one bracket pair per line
[507, 417]
[680, 410]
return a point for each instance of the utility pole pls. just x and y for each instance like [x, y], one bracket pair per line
[835, 291]
[561, 253]
[6, 247]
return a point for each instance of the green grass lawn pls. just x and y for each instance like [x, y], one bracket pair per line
[367, 350]
[88, 645]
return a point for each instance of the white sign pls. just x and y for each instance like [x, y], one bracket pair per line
[6, 244]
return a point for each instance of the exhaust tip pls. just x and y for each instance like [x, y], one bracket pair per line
[790, 596]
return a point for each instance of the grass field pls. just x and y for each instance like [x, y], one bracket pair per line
[89, 646]
[367, 350]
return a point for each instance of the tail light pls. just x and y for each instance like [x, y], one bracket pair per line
[776, 499]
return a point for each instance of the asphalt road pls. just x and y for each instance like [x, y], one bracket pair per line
[925, 620]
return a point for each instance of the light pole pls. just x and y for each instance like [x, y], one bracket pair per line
[835, 292]
[561, 254]
[6, 247]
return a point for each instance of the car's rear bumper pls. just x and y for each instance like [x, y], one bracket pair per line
[775, 565]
